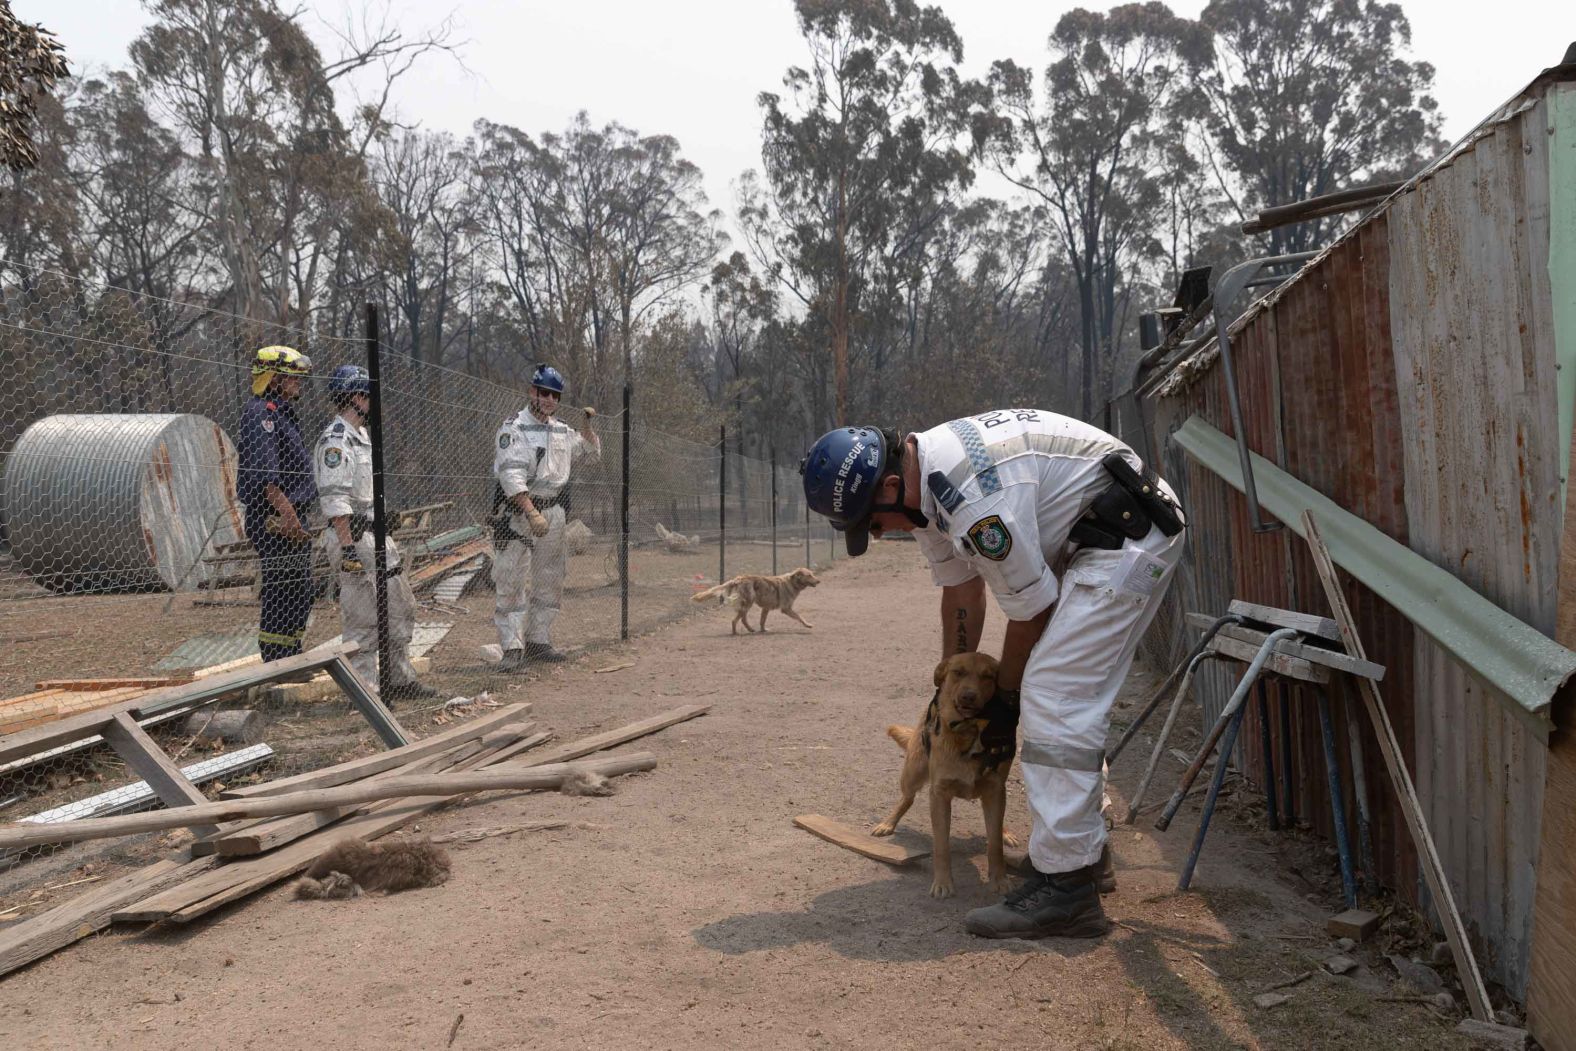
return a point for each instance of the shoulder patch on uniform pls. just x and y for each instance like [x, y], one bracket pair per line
[504, 439]
[339, 427]
[991, 538]
[332, 457]
[945, 493]
[268, 425]
[271, 406]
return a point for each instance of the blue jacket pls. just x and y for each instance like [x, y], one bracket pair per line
[272, 451]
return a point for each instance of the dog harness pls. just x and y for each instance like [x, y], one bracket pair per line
[996, 728]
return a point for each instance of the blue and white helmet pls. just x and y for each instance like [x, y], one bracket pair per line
[548, 378]
[348, 380]
[840, 474]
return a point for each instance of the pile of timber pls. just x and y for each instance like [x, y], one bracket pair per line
[57, 698]
[270, 832]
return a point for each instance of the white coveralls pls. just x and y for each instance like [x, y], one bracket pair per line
[1019, 479]
[534, 458]
[342, 463]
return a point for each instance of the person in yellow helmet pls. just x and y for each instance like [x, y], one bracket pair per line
[275, 483]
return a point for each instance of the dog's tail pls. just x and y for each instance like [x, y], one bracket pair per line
[901, 734]
[720, 591]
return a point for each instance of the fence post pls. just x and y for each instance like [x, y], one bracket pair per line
[808, 561]
[722, 505]
[774, 511]
[380, 555]
[623, 529]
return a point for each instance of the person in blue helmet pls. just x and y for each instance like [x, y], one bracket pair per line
[274, 482]
[342, 462]
[534, 457]
[1060, 522]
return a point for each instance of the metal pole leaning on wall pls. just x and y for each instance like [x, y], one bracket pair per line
[380, 554]
[722, 504]
[774, 511]
[623, 528]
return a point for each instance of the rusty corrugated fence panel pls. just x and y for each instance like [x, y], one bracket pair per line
[1474, 348]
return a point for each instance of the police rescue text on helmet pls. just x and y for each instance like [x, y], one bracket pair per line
[840, 475]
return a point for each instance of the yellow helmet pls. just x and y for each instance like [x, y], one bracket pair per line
[277, 360]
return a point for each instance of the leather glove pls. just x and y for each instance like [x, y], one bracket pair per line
[538, 522]
[350, 560]
[590, 412]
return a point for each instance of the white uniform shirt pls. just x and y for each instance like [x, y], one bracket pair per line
[1002, 490]
[342, 464]
[535, 458]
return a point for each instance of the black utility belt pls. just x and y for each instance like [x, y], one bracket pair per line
[1128, 509]
[559, 499]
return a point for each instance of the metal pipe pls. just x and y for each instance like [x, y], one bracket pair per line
[1209, 801]
[380, 554]
[1269, 756]
[1238, 697]
[1332, 770]
[1137, 802]
[1319, 207]
[1165, 687]
[1287, 789]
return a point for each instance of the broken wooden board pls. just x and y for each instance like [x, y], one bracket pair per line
[1313, 654]
[850, 838]
[1307, 623]
[1279, 663]
[83, 915]
[84, 685]
[344, 773]
[1356, 924]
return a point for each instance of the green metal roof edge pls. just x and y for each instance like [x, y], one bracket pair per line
[1520, 664]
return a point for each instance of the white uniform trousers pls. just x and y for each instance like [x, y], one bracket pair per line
[1073, 675]
[529, 582]
[358, 614]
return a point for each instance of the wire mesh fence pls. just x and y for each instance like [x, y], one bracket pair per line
[139, 547]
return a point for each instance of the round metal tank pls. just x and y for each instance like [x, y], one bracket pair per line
[101, 501]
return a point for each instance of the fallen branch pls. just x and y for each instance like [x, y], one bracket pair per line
[476, 835]
[504, 777]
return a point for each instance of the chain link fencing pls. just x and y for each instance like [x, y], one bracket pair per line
[126, 564]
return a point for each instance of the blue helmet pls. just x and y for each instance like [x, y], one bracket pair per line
[548, 378]
[348, 380]
[840, 474]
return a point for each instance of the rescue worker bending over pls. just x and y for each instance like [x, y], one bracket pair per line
[1078, 546]
[343, 464]
[535, 456]
[275, 483]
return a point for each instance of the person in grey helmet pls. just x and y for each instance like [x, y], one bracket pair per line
[535, 456]
[342, 462]
[1060, 522]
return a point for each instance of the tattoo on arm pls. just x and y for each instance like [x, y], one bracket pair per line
[963, 631]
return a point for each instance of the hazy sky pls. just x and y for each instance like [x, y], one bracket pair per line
[692, 68]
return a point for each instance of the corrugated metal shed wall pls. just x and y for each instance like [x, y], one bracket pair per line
[1409, 375]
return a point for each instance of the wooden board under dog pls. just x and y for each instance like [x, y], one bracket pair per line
[852, 839]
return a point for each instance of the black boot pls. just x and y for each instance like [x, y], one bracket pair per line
[1106, 866]
[1063, 905]
[513, 660]
[542, 651]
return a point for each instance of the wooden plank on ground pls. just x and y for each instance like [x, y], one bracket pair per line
[41, 935]
[503, 777]
[850, 838]
[1279, 663]
[1401, 778]
[272, 833]
[1307, 623]
[1312, 654]
[343, 773]
[143, 754]
[239, 879]
[146, 683]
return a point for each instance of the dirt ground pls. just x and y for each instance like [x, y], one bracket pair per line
[686, 911]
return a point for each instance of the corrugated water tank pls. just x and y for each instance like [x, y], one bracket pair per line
[105, 501]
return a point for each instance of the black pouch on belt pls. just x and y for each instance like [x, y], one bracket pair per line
[359, 524]
[1157, 507]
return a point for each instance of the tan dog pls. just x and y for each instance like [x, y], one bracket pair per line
[948, 754]
[769, 593]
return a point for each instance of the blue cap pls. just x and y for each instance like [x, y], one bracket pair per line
[840, 474]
